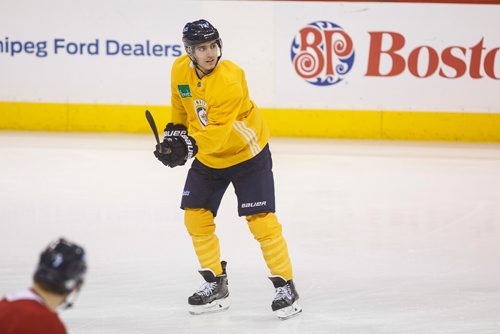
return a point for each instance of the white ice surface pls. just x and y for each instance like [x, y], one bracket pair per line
[385, 237]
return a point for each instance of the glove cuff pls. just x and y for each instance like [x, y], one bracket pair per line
[191, 147]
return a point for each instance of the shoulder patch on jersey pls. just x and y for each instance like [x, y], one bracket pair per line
[184, 90]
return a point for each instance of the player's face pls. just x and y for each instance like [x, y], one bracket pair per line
[206, 55]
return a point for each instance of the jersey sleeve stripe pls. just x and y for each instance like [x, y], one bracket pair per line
[249, 136]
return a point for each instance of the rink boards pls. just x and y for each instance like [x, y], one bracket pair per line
[316, 69]
[283, 122]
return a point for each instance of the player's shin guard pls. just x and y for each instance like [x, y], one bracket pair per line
[201, 227]
[267, 231]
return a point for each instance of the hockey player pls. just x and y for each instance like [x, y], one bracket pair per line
[56, 283]
[214, 119]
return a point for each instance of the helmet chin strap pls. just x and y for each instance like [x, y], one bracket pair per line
[195, 62]
[70, 299]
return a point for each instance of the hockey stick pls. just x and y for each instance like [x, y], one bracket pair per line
[152, 124]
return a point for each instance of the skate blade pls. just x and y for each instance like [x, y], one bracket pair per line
[215, 306]
[288, 312]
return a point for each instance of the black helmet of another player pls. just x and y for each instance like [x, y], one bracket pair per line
[198, 32]
[61, 268]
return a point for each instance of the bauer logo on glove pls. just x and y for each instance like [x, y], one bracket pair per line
[177, 146]
[172, 130]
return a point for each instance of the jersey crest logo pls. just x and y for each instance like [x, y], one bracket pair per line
[200, 108]
[184, 90]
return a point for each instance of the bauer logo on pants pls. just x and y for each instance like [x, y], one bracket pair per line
[322, 53]
[253, 205]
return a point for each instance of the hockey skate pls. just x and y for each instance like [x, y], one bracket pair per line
[285, 303]
[213, 295]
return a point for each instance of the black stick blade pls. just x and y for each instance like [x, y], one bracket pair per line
[152, 124]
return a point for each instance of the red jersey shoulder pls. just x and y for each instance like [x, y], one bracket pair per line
[28, 317]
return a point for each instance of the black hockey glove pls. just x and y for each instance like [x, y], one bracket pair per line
[177, 147]
[174, 130]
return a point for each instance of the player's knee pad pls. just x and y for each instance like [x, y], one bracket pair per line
[264, 225]
[199, 222]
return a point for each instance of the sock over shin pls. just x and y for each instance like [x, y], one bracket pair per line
[268, 232]
[201, 227]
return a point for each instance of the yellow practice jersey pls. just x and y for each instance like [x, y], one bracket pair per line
[216, 109]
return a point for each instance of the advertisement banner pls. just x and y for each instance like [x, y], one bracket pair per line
[372, 69]
[90, 52]
[388, 56]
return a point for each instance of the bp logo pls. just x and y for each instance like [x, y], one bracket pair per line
[322, 53]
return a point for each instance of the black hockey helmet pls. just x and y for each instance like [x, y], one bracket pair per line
[198, 32]
[61, 268]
